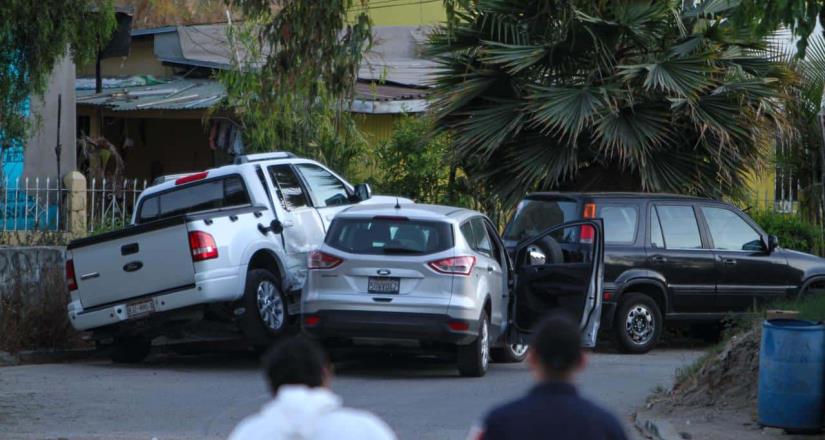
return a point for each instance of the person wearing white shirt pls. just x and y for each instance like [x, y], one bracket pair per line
[304, 408]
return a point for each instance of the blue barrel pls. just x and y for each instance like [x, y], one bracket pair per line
[792, 375]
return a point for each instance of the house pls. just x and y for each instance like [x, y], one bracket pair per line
[157, 104]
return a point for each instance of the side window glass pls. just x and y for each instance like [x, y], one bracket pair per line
[619, 223]
[484, 246]
[289, 187]
[469, 234]
[730, 232]
[656, 238]
[679, 227]
[327, 189]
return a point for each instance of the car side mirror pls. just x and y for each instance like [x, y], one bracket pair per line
[275, 226]
[773, 243]
[363, 191]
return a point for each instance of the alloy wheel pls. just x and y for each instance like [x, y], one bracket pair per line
[518, 350]
[640, 324]
[270, 305]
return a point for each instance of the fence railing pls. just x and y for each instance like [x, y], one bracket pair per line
[41, 203]
[110, 203]
[765, 201]
[32, 203]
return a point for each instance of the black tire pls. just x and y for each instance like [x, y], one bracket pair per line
[262, 322]
[474, 358]
[129, 349]
[638, 323]
[509, 354]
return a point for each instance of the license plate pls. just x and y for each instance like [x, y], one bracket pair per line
[138, 309]
[383, 285]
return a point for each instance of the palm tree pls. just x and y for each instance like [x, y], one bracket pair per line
[606, 94]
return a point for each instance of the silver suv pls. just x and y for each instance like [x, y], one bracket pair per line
[439, 276]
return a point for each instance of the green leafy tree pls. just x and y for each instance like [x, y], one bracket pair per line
[413, 164]
[34, 36]
[764, 17]
[609, 94]
[296, 64]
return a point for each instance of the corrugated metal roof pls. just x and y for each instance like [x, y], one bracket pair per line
[148, 93]
[175, 94]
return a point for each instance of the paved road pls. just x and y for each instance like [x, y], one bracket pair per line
[204, 396]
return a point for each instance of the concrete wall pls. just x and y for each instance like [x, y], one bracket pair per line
[30, 266]
[40, 159]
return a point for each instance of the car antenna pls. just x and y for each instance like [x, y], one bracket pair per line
[397, 203]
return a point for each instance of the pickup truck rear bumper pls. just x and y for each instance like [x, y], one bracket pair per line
[208, 291]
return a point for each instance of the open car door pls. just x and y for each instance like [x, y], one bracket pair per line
[560, 269]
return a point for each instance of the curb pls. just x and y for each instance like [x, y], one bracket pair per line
[46, 356]
[656, 428]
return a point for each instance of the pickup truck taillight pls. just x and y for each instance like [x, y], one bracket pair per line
[71, 281]
[202, 245]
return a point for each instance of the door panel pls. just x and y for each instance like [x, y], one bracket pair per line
[749, 275]
[303, 228]
[677, 252]
[561, 269]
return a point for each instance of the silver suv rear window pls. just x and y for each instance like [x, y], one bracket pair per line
[389, 236]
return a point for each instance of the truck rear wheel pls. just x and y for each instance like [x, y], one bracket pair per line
[129, 349]
[264, 314]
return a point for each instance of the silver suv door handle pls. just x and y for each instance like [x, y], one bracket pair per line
[490, 269]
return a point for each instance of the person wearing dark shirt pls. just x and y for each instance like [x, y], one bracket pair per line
[553, 409]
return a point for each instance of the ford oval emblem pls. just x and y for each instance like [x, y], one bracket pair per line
[383, 272]
[132, 266]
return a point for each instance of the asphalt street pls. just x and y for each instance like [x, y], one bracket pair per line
[204, 396]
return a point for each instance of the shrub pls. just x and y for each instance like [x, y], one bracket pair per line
[793, 231]
[33, 315]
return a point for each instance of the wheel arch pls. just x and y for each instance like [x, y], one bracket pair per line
[647, 286]
[808, 281]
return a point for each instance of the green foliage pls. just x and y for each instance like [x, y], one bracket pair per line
[629, 94]
[296, 64]
[793, 231]
[412, 163]
[34, 36]
[765, 17]
[418, 163]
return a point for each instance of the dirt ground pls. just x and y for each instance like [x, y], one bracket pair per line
[717, 399]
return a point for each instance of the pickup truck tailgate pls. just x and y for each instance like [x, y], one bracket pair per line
[132, 262]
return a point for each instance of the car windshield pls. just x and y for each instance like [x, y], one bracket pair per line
[535, 215]
[382, 236]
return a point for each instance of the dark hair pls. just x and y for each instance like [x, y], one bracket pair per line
[557, 344]
[295, 361]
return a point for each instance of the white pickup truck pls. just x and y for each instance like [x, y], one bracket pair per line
[225, 246]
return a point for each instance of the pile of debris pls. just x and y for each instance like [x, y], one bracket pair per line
[725, 378]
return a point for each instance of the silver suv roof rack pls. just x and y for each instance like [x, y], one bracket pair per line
[257, 157]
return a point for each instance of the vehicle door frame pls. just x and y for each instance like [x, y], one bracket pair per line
[675, 295]
[590, 321]
[326, 219]
[722, 285]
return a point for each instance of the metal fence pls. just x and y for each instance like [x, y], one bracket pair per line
[32, 204]
[110, 203]
[766, 201]
[41, 204]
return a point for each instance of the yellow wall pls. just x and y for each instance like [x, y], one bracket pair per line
[141, 61]
[405, 12]
[375, 128]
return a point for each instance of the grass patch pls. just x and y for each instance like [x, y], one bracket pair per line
[810, 307]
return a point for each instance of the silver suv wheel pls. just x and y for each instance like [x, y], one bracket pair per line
[270, 305]
[485, 344]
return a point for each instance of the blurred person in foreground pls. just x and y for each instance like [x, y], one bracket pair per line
[304, 408]
[553, 409]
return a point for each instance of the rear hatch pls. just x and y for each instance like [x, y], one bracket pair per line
[386, 263]
[139, 260]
